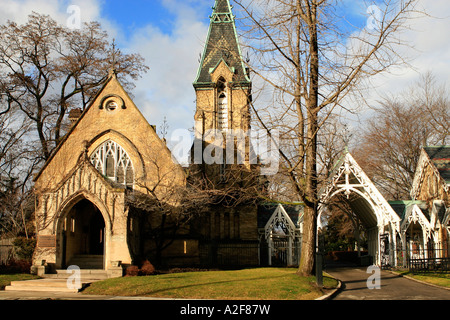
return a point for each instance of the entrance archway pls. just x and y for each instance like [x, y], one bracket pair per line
[351, 185]
[82, 235]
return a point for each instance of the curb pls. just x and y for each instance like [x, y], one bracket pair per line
[332, 294]
[419, 281]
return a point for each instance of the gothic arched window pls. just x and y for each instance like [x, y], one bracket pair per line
[112, 161]
[222, 105]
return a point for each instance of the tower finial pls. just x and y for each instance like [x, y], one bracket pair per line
[114, 55]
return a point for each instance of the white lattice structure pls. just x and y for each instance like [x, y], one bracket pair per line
[280, 224]
[375, 213]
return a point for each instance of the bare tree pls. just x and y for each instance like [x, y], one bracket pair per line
[392, 140]
[47, 69]
[17, 164]
[433, 99]
[302, 50]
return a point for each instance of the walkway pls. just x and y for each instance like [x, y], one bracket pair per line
[392, 287]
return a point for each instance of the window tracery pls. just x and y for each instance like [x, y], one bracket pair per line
[113, 162]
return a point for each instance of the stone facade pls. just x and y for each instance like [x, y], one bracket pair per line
[111, 185]
[70, 177]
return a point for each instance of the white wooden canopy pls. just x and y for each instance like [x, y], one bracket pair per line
[366, 202]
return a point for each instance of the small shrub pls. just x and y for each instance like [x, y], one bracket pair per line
[132, 271]
[16, 266]
[147, 269]
[24, 247]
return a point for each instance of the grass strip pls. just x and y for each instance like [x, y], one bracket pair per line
[247, 284]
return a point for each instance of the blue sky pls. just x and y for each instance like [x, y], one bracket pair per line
[132, 15]
[137, 14]
[170, 35]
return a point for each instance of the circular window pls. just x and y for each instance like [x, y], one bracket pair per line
[112, 103]
[111, 106]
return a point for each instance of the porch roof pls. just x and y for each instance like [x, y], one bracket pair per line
[401, 207]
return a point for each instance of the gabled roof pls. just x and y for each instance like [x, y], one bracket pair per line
[293, 210]
[283, 219]
[440, 157]
[79, 116]
[222, 44]
[96, 104]
[402, 206]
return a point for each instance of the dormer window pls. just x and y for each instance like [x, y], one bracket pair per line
[113, 162]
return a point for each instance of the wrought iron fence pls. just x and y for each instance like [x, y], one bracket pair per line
[431, 258]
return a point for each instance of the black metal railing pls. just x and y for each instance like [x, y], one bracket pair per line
[420, 258]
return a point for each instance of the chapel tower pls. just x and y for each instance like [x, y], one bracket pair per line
[223, 88]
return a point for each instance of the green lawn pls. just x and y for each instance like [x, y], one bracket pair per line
[440, 279]
[247, 284]
[5, 279]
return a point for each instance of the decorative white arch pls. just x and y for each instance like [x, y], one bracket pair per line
[349, 179]
[415, 215]
[281, 224]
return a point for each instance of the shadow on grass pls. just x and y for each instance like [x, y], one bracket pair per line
[162, 290]
[142, 289]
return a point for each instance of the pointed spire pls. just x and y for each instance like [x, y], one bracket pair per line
[222, 43]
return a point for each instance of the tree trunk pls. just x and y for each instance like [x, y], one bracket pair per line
[306, 266]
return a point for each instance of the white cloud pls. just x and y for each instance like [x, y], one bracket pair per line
[18, 10]
[427, 49]
[166, 90]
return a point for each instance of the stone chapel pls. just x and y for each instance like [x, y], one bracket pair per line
[85, 213]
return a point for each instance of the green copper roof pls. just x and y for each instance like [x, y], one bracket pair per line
[222, 44]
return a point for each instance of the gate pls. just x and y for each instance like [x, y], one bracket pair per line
[384, 251]
[283, 253]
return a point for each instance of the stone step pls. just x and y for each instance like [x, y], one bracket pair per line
[86, 274]
[87, 261]
[48, 285]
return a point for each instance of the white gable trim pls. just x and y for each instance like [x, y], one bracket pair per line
[364, 188]
[415, 215]
[279, 216]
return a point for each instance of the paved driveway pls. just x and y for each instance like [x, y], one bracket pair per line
[392, 287]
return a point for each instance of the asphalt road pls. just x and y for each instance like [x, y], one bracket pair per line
[389, 287]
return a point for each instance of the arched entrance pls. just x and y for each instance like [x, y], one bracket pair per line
[350, 185]
[283, 237]
[82, 236]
